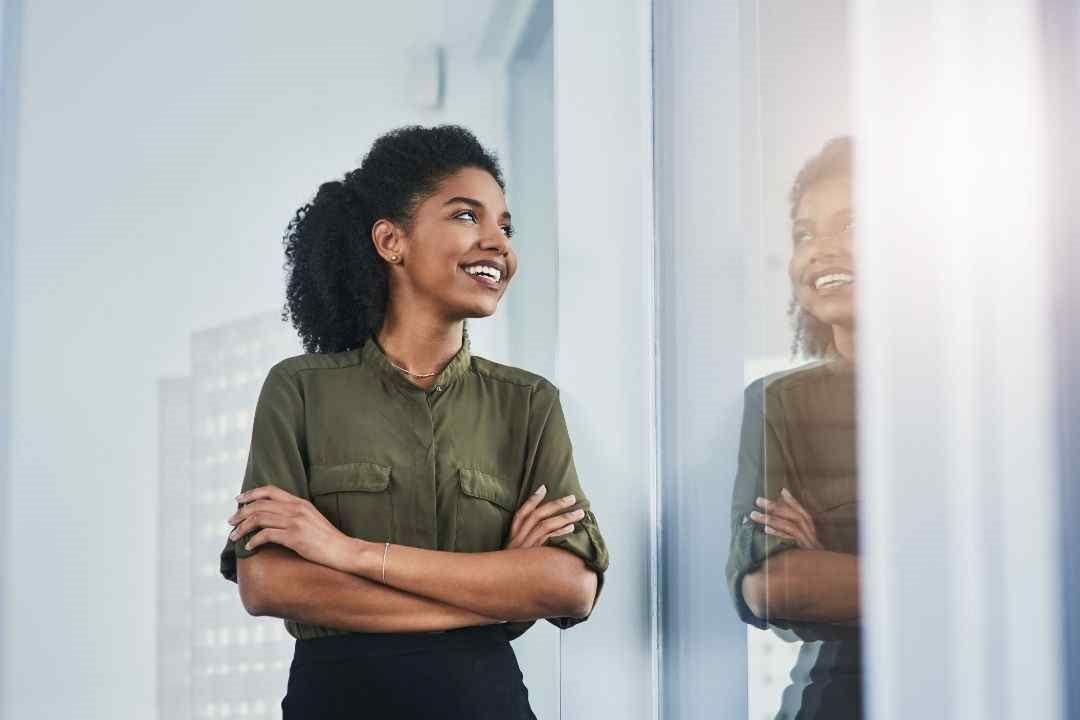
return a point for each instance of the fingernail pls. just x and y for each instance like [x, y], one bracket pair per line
[232, 536]
[247, 545]
[756, 515]
[542, 490]
[579, 513]
[784, 492]
[760, 502]
[240, 496]
[570, 499]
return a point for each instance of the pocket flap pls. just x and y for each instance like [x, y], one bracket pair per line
[487, 487]
[353, 477]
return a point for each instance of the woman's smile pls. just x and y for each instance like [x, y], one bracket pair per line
[486, 273]
[831, 280]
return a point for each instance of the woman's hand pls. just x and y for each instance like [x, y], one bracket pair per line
[534, 523]
[785, 517]
[284, 519]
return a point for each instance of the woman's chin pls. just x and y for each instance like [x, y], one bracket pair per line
[477, 311]
[832, 311]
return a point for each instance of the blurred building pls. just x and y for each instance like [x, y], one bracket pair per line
[214, 660]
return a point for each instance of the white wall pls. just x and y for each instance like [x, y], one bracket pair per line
[162, 149]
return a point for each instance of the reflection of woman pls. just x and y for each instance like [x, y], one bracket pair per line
[793, 561]
[408, 508]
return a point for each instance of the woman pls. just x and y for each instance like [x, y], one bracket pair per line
[793, 561]
[408, 508]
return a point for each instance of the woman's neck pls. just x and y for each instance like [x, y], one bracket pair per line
[844, 340]
[419, 346]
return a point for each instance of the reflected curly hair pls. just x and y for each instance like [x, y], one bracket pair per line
[337, 284]
[814, 338]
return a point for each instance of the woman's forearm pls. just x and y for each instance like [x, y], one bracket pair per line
[517, 584]
[279, 583]
[808, 585]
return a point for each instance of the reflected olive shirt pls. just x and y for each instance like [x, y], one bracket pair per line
[387, 461]
[799, 433]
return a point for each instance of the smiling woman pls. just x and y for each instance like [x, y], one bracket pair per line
[408, 508]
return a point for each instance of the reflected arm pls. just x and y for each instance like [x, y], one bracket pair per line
[277, 582]
[806, 585]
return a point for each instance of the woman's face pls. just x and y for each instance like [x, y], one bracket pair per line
[822, 262]
[457, 255]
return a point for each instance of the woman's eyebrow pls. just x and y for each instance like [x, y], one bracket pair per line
[474, 203]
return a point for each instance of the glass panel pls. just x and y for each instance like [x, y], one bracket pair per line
[796, 555]
[528, 309]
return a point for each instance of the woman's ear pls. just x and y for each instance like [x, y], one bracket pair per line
[386, 236]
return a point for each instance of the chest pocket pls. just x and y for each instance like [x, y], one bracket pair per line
[356, 498]
[485, 507]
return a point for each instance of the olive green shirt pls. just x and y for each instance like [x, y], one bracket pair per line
[799, 433]
[387, 461]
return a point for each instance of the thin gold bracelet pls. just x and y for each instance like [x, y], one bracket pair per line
[386, 550]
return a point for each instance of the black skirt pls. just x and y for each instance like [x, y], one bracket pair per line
[466, 673]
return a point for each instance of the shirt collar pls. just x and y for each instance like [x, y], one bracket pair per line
[372, 354]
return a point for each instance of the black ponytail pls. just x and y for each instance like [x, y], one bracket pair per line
[337, 285]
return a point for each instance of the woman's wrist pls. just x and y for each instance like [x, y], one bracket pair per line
[363, 558]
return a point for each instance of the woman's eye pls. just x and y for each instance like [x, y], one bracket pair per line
[466, 214]
[802, 236]
[508, 230]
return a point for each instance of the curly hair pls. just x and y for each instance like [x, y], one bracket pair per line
[814, 338]
[337, 284]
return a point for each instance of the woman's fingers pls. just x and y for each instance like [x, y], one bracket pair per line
[545, 528]
[784, 525]
[526, 508]
[267, 535]
[774, 531]
[808, 520]
[565, 530]
[273, 506]
[260, 519]
[784, 509]
[779, 508]
[797, 505]
[541, 513]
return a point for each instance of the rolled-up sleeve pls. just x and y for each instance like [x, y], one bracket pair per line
[762, 472]
[552, 464]
[276, 455]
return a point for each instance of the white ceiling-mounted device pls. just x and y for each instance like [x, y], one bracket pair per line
[427, 77]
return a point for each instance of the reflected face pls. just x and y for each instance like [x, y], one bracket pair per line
[458, 254]
[822, 267]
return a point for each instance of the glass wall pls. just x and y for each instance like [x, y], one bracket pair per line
[857, 402]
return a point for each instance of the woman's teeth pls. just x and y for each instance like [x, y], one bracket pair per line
[485, 270]
[833, 280]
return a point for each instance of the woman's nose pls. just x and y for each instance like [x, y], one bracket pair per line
[824, 248]
[495, 240]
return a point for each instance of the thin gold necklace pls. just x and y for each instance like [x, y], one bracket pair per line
[415, 376]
